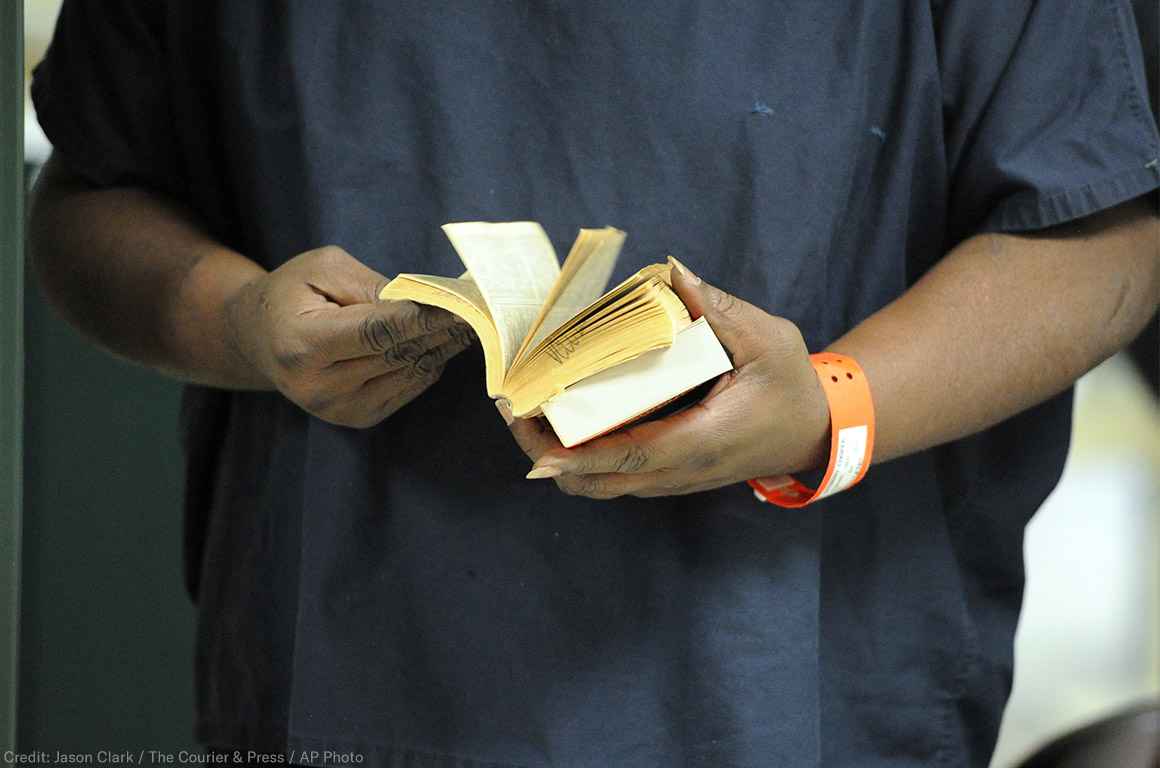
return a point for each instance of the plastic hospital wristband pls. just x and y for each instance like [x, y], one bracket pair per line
[851, 436]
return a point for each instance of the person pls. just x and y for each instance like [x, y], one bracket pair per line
[953, 195]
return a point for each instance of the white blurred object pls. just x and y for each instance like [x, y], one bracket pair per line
[36, 146]
[1089, 636]
[39, 20]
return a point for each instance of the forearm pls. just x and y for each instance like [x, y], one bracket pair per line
[135, 273]
[1000, 324]
[1003, 323]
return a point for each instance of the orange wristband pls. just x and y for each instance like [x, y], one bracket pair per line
[851, 435]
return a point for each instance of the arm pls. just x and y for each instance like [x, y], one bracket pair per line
[1006, 322]
[136, 273]
[1002, 323]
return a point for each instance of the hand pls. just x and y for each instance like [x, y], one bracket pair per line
[315, 329]
[768, 416]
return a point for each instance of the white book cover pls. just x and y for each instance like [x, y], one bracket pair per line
[621, 394]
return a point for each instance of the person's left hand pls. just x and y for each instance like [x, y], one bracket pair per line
[769, 416]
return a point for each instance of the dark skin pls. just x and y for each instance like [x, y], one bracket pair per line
[136, 273]
[315, 329]
[1002, 323]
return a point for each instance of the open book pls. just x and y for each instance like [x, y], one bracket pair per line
[548, 331]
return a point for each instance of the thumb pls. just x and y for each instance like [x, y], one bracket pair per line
[342, 278]
[737, 323]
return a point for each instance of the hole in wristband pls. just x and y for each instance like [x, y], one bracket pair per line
[825, 362]
[849, 375]
[835, 379]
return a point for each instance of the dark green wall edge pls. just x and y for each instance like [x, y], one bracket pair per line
[11, 351]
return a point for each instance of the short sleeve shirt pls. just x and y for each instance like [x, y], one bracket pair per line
[401, 592]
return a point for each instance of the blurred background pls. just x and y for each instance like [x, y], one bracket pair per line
[106, 631]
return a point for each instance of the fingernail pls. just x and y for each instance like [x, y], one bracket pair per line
[505, 410]
[685, 271]
[539, 473]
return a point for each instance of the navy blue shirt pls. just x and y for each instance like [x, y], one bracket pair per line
[402, 592]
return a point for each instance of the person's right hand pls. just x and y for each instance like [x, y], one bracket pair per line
[315, 329]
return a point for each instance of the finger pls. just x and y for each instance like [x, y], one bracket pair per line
[340, 277]
[378, 398]
[647, 485]
[423, 360]
[533, 435]
[390, 392]
[352, 392]
[422, 353]
[602, 486]
[697, 484]
[360, 330]
[691, 439]
[745, 330]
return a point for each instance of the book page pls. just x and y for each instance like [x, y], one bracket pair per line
[514, 267]
[461, 287]
[625, 392]
[631, 289]
[641, 314]
[460, 297]
[582, 280]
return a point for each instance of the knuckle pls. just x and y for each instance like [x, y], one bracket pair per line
[785, 334]
[726, 303]
[315, 401]
[292, 359]
[405, 353]
[462, 335]
[387, 409]
[429, 363]
[290, 355]
[708, 452]
[704, 459]
[405, 314]
[581, 485]
[633, 458]
[600, 490]
[331, 254]
[377, 333]
[428, 319]
[367, 420]
[570, 485]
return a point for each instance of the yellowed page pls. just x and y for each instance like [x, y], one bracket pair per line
[638, 317]
[547, 375]
[582, 280]
[623, 293]
[460, 297]
[514, 267]
[463, 287]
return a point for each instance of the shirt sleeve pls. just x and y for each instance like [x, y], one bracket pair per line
[1046, 112]
[102, 93]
